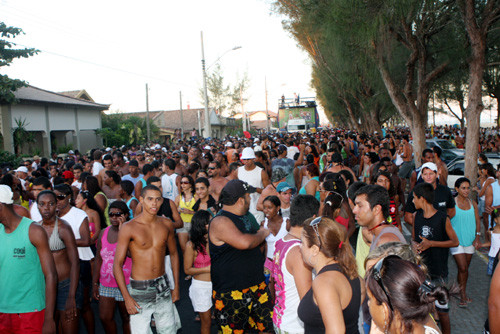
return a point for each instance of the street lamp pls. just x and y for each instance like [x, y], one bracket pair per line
[208, 126]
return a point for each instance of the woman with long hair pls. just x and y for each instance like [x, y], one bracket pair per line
[79, 222]
[197, 264]
[466, 224]
[91, 184]
[63, 247]
[86, 202]
[185, 203]
[277, 226]
[384, 179]
[104, 287]
[204, 201]
[401, 299]
[332, 304]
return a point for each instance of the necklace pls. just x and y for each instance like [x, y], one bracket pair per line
[382, 223]
[293, 235]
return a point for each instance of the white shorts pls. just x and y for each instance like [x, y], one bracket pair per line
[200, 293]
[462, 250]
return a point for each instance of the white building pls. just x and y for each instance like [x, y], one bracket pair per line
[55, 119]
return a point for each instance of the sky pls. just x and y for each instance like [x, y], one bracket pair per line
[113, 48]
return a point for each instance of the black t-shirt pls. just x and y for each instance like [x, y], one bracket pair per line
[211, 203]
[443, 199]
[166, 209]
[235, 269]
[433, 228]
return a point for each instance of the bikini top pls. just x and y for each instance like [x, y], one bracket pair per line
[55, 241]
[202, 259]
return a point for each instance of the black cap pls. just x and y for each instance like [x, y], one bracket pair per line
[233, 190]
[133, 163]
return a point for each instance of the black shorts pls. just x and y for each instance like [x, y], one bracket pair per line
[85, 274]
[240, 310]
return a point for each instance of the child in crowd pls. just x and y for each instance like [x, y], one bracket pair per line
[494, 242]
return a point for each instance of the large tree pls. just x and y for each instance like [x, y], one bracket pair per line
[478, 16]
[8, 53]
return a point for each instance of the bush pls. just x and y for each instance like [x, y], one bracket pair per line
[8, 159]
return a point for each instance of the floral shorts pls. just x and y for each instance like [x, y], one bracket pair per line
[240, 310]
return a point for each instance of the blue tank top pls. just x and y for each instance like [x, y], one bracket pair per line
[464, 224]
[302, 190]
[131, 213]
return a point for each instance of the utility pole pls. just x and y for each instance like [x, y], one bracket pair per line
[267, 109]
[243, 114]
[147, 114]
[207, 116]
[182, 117]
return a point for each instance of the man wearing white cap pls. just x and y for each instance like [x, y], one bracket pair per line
[254, 176]
[28, 276]
[443, 198]
[22, 174]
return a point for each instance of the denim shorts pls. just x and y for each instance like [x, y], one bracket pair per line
[63, 292]
[154, 299]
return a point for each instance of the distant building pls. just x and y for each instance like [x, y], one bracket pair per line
[55, 119]
[258, 119]
[170, 120]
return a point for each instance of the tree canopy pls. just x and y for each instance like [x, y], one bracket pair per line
[120, 130]
[8, 53]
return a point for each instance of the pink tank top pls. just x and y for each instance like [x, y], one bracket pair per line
[202, 259]
[108, 250]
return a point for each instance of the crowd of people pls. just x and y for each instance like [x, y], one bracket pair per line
[284, 233]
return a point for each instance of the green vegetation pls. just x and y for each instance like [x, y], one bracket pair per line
[118, 130]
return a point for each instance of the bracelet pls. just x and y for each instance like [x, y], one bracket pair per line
[478, 233]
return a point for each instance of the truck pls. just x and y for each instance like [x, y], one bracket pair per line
[298, 115]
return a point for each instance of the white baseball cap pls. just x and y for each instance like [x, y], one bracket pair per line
[248, 153]
[257, 148]
[22, 169]
[229, 144]
[207, 148]
[6, 195]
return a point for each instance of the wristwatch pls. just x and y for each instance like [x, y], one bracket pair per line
[478, 233]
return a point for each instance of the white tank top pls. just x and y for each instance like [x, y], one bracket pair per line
[271, 239]
[495, 244]
[254, 178]
[495, 187]
[484, 196]
[169, 186]
[287, 302]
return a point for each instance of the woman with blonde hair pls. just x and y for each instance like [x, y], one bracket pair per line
[332, 304]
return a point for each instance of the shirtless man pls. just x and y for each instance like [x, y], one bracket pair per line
[112, 182]
[108, 166]
[217, 182]
[120, 166]
[407, 167]
[224, 169]
[147, 237]
[335, 164]
[441, 165]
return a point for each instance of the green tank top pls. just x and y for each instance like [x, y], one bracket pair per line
[21, 277]
[106, 213]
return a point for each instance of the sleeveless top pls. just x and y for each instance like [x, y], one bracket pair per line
[169, 186]
[302, 190]
[495, 244]
[482, 198]
[389, 229]
[21, 278]
[287, 297]
[106, 213]
[202, 259]
[495, 187]
[254, 178]
[186, 217]
[271, 239]
[310, 313]
[392, 210]
[107, 278]
[55, 242]
[131, 213]
[464, 224]
[236, 269]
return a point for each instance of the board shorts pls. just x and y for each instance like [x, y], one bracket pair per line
[240, 310]
[462, 250]
[26, 323]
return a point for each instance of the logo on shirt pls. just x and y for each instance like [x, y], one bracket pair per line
[426, 232]
[442, 204]
[20, 252]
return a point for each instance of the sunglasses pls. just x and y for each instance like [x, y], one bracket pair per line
[61, 197]
[115, 214]
[212, 168]
[377, 275]
[314, 224]
[184, 182]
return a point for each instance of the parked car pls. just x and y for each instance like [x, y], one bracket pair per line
[449, 151]
[456, 168]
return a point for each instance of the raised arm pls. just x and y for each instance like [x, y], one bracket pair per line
[223, 230]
